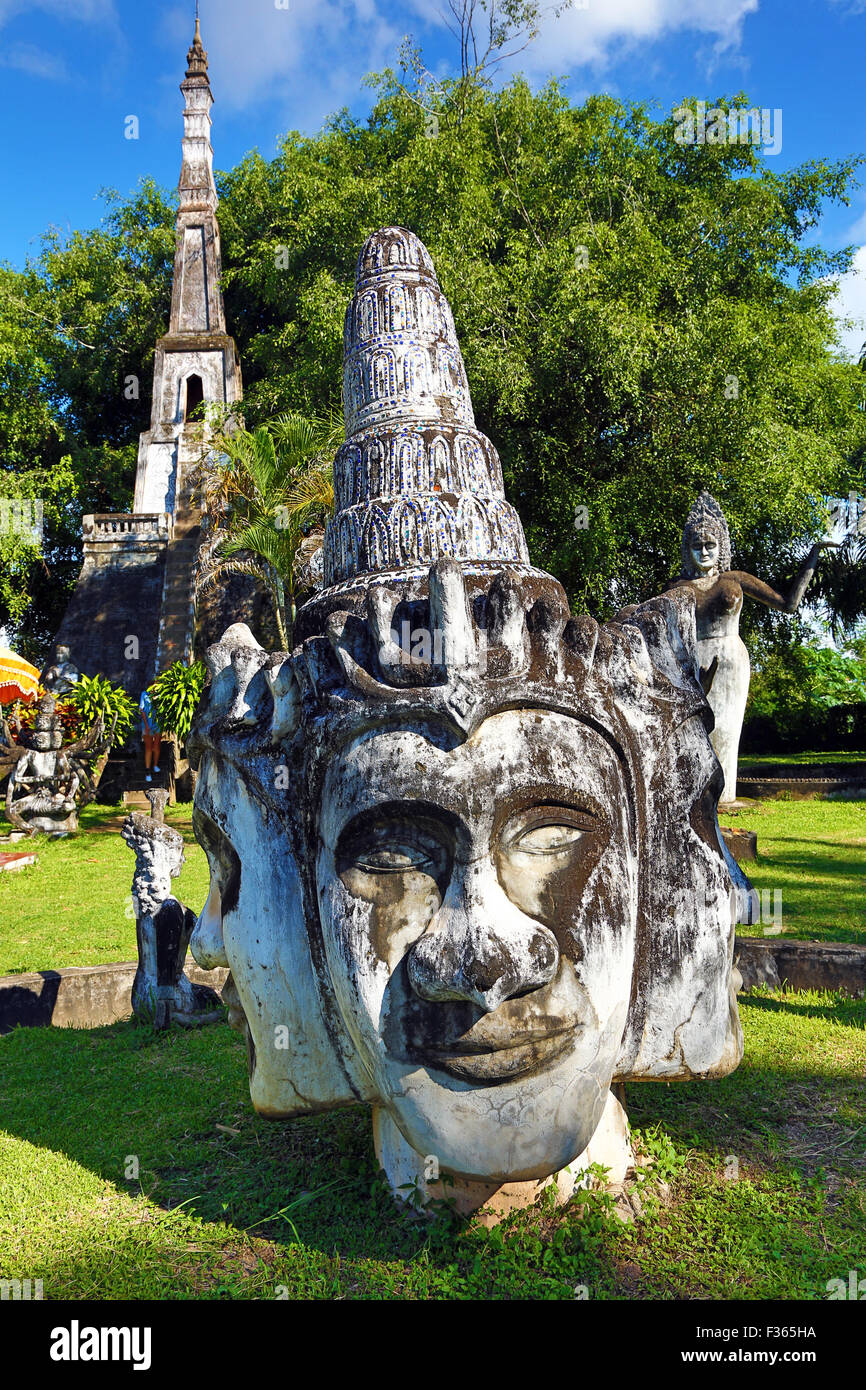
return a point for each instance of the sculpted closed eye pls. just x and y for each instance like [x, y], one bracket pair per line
[396, 859]
[376, 848]
[550, 831]
[547, 839]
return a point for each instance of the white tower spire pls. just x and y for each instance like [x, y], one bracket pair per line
[196, 363]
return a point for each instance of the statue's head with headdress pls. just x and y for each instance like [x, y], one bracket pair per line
[706, 548]
[464, 856]
[47, 733]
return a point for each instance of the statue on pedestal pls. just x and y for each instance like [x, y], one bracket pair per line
[61, 677]
[161, 992]
[464, 856]
[719, 592]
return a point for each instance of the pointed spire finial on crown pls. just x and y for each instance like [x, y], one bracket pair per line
[196, 58]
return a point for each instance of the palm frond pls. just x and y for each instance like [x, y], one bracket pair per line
[220, 568]
[261, 490]
[314, 489]
[277, 547]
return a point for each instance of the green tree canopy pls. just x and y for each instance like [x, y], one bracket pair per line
[639, 318]
[78, 329]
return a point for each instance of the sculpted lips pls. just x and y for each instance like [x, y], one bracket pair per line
[498, 1064]
[521, 1036]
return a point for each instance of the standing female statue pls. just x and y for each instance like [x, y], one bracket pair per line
[719, 591]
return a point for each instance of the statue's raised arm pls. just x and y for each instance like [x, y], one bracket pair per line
[766, 594]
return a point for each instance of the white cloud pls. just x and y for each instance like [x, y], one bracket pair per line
[310, 56]
[594, 36]
[36, 62]
[32, 58]
[849, 305]
[591, 33]
[313, 55]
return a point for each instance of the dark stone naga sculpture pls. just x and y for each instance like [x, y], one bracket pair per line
[47, 781]
[465, 862]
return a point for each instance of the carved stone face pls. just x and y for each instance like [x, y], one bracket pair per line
[704, 551]
[474, 921]
[480, 934]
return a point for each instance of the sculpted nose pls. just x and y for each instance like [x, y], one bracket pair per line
[480, 947]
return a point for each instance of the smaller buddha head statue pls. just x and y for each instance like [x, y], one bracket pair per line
[706, 549]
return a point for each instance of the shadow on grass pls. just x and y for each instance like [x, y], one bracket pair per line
[178, 1104]
[851, 1012]
[822, 865]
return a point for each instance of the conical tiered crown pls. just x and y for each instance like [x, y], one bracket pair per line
[415, 481]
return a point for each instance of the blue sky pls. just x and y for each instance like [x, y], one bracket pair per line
[71, 71]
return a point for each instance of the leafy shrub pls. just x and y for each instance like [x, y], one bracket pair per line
[92, 696]
[176, 694]
[807, 697]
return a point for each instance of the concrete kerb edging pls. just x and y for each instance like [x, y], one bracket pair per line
[798, 965]
[88, 996]
[800, 788]
[92, 996]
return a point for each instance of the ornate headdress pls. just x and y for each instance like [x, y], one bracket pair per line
[431, 609]
[415, 480]
[706, 515]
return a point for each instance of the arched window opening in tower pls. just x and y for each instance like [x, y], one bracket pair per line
[194, 397]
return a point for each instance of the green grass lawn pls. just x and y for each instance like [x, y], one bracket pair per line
[74, 907]
[815, 853]
[764, 1172]
[759, 760]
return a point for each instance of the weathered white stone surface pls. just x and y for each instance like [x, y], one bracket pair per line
[161, 990]
[415, 1178]
[473, 881]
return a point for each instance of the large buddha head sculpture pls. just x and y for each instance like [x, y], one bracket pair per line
[464, 856]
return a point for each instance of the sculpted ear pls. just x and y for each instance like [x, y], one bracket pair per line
[683, 1021]
[301, 1060]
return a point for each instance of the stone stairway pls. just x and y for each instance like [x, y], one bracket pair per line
[177, 619]
[177, 613]
[124, 779]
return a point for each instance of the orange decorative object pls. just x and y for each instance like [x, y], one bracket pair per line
[18, 679]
